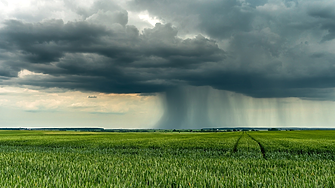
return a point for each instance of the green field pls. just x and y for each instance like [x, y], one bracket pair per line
[229, 159]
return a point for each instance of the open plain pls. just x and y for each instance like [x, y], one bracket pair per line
[158, 159]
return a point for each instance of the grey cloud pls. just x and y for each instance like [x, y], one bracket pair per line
[228, 18]
[268, 53]
[7, 65]
[101, 59]
[147, 94]
[47, 41]
[320, 10]
[325, 15]
[94, 8]
[260, 86]
[220, 19]
[225, 18]
[330, 27]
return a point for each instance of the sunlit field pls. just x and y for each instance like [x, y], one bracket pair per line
[157, 159]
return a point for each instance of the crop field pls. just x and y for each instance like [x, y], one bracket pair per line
[157, 159]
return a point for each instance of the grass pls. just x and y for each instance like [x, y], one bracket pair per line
[77, 159]
[292, 143]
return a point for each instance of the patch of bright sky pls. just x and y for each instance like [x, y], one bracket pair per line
[146, 17]
[142, 20]
[109, 110]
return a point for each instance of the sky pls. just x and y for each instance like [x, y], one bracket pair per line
[167, 64]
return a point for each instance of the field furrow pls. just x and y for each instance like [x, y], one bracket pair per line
[260, 145]
[236, 143]
[300, 143]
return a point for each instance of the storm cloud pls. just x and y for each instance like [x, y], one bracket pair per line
[263, 49]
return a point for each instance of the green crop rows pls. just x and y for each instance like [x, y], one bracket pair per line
[230, 159]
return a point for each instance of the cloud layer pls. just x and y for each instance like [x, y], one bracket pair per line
[262, 48]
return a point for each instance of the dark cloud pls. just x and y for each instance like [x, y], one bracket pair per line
[270, 50]
[81, 55]
[147, 94]
[325, 15]
[322, 11]
[48, 41]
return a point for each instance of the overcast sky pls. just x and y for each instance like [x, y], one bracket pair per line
[153, 63]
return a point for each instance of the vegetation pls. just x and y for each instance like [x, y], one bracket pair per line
[186, 159]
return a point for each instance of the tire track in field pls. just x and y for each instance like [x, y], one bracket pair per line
[260, 145]
[235, 146]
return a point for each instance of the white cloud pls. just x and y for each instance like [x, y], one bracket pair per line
[25, 72]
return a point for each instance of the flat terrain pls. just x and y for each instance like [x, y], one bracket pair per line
[229, 159]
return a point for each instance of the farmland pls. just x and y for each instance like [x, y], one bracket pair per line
[229, 159]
